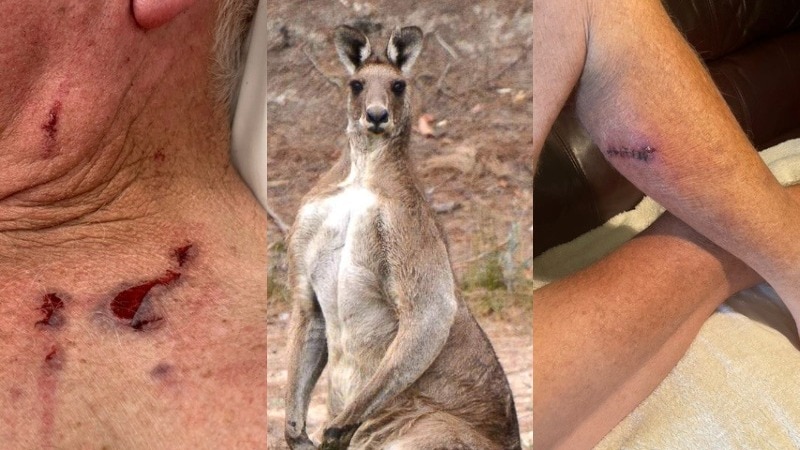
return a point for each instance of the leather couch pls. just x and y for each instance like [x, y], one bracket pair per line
[752, 50]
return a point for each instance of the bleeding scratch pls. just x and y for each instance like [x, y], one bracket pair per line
[48, 384]
[127, 303]
[181, 254]
[50, 129]
[131, 304]
[51, 311]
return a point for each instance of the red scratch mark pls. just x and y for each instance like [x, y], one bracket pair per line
[181, 254]
[127, 303]
[53, 359]
[50, 129]
[51, 126]
[51, 311]
[140, 324]
[159, 156]
[48, 385]
[131, 305]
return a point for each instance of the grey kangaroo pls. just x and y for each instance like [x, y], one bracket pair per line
[373, 289]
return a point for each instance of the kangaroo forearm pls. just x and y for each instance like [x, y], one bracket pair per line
[417, 344]
[309, 354]
[605, 337]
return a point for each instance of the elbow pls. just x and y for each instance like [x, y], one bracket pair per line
[443, 314]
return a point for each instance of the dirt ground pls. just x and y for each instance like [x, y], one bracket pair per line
[472, 149]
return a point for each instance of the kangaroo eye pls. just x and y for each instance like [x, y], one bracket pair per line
[398, 87]
[356, 86]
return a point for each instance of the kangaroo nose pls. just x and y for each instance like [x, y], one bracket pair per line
[377, 115]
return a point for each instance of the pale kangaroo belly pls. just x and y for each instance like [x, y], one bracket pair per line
[359, 323]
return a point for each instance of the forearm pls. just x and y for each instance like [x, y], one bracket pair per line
[419, 340]
[605, 337]
[308, 356]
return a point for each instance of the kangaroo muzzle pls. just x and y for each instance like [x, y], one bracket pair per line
[377, 118]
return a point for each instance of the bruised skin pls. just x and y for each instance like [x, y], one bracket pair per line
[139, 170]
[178, 241]
[75, 372]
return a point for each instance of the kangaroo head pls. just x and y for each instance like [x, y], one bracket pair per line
[379, 103]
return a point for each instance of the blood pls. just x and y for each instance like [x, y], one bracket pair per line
[127, 303]
[53, 359]
[159, 156]
[48, 386]
[51, 310]
[181, 254]
[141, 324]
[50, 128]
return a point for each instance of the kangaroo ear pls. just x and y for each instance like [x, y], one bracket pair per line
[404, 47]
[352, 46]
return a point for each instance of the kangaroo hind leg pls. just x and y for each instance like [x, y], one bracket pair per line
[438, 431]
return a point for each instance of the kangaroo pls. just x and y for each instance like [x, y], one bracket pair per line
[373, 291]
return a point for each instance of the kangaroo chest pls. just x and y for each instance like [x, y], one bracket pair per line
[342, 260]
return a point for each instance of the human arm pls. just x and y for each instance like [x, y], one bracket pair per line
[605, 337]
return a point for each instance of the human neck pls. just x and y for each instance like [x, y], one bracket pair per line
[121, 179]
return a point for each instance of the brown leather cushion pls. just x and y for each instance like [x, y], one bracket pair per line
[719, 27]
[752, 49]
[761, 84]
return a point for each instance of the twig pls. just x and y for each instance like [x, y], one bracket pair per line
[482, 255]
[277, 220]
[330, 80]
[440, 83]
[510, 66]
[445, 46]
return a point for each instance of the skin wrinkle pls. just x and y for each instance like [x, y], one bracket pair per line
[78, 196]
[142, 169]
[104, 147]
[107, 193]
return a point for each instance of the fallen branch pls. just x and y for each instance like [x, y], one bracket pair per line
[503, 71]
[482, 255]
[440, 83]
[333, 81]
[277, 220]
[445, 46]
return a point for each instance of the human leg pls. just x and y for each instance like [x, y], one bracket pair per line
[605, 337]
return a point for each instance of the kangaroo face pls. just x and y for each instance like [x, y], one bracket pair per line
[378, 99]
